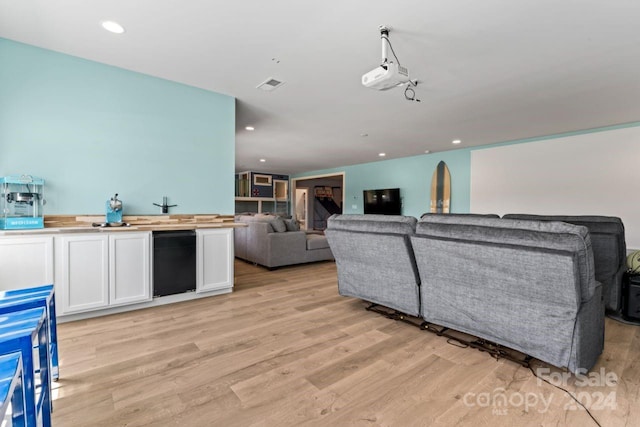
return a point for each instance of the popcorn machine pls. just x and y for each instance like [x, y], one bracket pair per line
[21, 202]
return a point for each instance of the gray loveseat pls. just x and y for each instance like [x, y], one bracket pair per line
[527, 285]
[273, 242]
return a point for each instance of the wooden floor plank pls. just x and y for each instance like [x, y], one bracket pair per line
[284, 349]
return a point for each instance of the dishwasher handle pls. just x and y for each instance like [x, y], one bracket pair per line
[173, 233]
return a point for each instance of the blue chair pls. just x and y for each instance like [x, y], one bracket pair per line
[11, 390]
[18, 332]
[23, 291]
[23, 299]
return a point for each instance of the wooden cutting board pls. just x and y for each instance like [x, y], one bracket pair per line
[440, 189]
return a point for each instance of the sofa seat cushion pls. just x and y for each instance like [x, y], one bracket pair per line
[316, 241]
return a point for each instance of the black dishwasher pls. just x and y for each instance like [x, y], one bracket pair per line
[174, 262]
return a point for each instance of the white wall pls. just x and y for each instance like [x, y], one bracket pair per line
[589, 174]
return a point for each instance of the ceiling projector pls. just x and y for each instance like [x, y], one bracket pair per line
[389, 74]
[386, 76]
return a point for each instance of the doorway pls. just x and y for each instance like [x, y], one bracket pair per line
[300, 207]
[323, 197]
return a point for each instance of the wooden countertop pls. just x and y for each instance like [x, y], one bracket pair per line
[83, 223]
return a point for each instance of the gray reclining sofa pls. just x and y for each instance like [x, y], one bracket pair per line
[527, 285]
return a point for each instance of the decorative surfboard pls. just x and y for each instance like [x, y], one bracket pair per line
[441, 189]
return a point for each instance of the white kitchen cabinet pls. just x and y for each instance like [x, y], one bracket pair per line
[82, 272]
[129, 268]
[26, 261]
[102, 270]
[214, 259]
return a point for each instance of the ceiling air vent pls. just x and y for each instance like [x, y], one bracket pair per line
[270, 84]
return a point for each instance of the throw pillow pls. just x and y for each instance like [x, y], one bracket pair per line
[278, 225]
[292, 225]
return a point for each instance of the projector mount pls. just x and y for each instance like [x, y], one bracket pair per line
[384, 37]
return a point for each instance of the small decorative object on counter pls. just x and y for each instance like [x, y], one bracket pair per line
[21, 202]
[114, 210]
[165, 207]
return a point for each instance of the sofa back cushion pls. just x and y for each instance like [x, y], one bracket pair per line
[375, 260]
[609, 248]
[276, 224]
[461, 215]
[555, 236]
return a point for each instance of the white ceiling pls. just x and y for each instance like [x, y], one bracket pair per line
[489, 71]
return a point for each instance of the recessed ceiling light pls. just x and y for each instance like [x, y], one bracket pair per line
[263, 160]
[113, 27]
[250, 128]
[456, 141]
[426, 151]
[382, 154]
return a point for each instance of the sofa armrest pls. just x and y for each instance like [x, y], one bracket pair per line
[240, 242]
[256, 241]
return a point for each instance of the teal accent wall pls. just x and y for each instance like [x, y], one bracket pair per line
[92, 130]
[412, 175]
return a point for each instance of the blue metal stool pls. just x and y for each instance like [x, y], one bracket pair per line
[22, 299]
[18, 332]
[11, 391]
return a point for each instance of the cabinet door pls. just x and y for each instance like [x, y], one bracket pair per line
[26, 262]
[82, 267]
[214, 256]
[129, 267]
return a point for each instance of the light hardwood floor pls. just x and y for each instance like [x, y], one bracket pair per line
[284, 349]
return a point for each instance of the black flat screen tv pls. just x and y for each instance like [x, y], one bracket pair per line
[384, 202]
